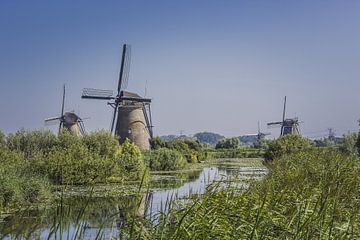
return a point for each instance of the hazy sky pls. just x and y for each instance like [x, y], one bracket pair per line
[216, 66]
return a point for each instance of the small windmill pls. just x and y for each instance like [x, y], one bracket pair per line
[67, 120]
[132, 114]
[260, 135]
[288, 125]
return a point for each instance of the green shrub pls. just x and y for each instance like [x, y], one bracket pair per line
[103, 144]
[228, 143]
[157, 143]
[131, 162]
[289, 143]
[2, 139]
[164, 159]
[348, 144]
[28, 143]
[18, 185]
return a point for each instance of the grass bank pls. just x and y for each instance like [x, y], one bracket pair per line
[312, 194]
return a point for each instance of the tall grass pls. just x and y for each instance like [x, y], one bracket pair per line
[312, 194]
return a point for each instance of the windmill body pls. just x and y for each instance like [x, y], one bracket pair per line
[131, 113]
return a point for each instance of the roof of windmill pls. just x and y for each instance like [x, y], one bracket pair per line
[70, 117]
[131, 94]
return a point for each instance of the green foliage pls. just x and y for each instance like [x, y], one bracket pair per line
[164, 159]
[228, 143]
[30, 159]
[289, 143]
[348, 144]
[18, 185]
[192, 150]
[29, 143]
[241, 152]
[326, 142]
[310, 194]
[208, 138]
[2, 139]
[157, 143]
[357, 145]
[131, 162]
[103, 144]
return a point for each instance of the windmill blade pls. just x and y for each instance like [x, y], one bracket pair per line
[136, 99]
[114, 117]
[63, 101]
[124, 59]
[250, 134]
[81, 126]
[274, 123]
[93, 93]
[151, 124]
[127, 63]
[60, 125]
[147, 120]
[284, 110]
[283, 119]
[52, 121]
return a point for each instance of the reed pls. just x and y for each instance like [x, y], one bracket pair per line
[313, 194]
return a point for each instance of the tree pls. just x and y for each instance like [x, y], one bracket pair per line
[208, 137]
[348, 144]
[287, 144]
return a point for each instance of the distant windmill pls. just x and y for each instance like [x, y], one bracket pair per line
[132, 114]
[288, 125]
[260, 135]
[67, 120]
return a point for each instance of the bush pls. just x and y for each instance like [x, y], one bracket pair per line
[289, 143]
[157, 143]
[17, 184]
[348, 144]
[164, 159]
[2, 139]
[228, 143]
[131, 162]
[103, 144]
[28, 143]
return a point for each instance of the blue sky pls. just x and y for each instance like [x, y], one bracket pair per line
[208, 65]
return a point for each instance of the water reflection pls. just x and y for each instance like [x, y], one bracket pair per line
[88, 217]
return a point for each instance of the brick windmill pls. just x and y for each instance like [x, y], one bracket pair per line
[67, 120]
[131, 113]
[288, 125]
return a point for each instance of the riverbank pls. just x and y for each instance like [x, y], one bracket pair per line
[309, 194]
[100, 210]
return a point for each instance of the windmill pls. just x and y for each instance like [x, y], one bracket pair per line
[68, 120]
[288, 125]
[259, 135]
[131, 116]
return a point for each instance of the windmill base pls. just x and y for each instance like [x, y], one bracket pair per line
[131, 124]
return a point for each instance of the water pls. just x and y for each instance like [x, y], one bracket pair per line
[83, 218]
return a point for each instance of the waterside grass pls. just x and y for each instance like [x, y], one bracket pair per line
[312, 194]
